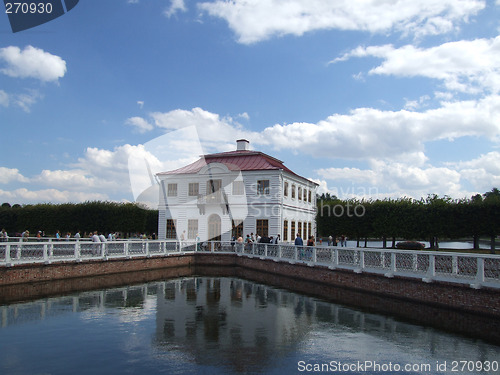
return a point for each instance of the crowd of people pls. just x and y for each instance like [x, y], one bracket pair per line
[95, 236]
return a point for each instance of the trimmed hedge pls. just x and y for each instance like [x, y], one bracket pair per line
[410, 245]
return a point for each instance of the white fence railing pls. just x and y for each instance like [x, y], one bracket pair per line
[477, 270]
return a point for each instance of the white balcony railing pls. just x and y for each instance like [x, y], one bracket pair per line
[477, 270]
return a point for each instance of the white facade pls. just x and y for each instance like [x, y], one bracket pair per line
[236, 193]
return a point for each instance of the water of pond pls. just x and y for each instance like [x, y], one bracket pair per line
[222, 325]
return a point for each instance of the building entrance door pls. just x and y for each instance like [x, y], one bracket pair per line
[214, 228]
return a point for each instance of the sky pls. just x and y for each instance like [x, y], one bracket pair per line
[369, 98]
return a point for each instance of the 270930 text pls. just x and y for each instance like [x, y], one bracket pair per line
[31, 8]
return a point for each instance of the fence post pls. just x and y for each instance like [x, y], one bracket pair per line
[431, 272]
[77, 250]
[479, 275]
[265, 250]
[19, 248]
[454, 262]
[45, 252]
[392, 271]
[314, 255]
[7, 253]
[279, 251]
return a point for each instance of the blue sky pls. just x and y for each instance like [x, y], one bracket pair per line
[368, 98]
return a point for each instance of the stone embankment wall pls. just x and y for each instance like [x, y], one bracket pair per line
[81, 275]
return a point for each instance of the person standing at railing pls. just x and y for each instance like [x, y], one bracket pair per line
[25, 235]
[310, 242]
[4, 237]
[198, 244]
[277, 240]
[240, 244]
[248, 242]
[299, 242]
[97, 243]
[77, 235]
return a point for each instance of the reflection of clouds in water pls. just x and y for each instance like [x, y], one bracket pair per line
[138, 314]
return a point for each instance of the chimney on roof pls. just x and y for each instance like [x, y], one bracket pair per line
[242, 145]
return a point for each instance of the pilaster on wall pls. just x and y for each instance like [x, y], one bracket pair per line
[162, 223]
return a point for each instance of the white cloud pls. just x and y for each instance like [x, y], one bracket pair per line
[385, 178]
[98, 173]
[141, 125]
[413, 105]
[216, 133]
[25, 196]
[465, 66]
[257, 20]
[175, 6]
[27, 100]
[482, 172]
[8, 175]
[4, 98]
[32, 63]
[244, 115]
[396, 135]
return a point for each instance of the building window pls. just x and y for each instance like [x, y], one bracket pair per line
[213, 186]
[305, 195]
[171, 229]
[192, 228]
[309, 228]
[237, 229]
[300, 193]
[194, 189]
[263, 187]
[172, 190]
[310, 194]
[292, 232]
[293, 191]
[299, 229]
[285, 230]
[285, 190]
[238, 188]
[263, 228]
[304, 234]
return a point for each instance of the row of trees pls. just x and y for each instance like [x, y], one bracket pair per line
[430, 218]
[89, 216]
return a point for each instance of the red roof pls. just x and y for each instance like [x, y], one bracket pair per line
[243, 160]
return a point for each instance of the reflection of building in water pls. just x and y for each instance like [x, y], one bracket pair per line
[244, 322]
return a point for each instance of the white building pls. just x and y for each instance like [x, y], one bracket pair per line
[236, 193]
